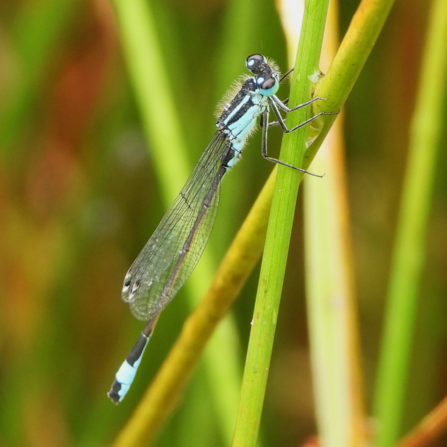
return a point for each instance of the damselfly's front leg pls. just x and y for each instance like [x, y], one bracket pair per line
[265, 125]
[274, 103]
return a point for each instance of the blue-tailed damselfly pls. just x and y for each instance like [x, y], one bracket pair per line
[170, 255]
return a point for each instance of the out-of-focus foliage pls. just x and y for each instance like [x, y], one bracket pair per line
[79, 198]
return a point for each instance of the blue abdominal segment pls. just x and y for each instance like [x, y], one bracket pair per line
[126, 374]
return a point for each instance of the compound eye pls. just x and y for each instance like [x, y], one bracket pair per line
[268, 84]
[254, 60]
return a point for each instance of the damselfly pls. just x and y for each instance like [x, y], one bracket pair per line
[170, 255]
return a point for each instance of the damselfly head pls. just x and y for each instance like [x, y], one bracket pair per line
[266, 76]
[256, 63]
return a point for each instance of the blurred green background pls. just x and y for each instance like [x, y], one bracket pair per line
[79, 197]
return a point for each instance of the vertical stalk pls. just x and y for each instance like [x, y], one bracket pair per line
[331, 299]
[279, 231]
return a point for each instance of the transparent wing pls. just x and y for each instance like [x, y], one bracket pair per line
[164, 264]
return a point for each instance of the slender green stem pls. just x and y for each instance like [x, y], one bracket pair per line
[409, 251]
[279, 231]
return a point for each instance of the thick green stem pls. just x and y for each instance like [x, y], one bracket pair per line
[279, 231]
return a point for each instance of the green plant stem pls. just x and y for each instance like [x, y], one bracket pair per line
[279, 231]
[409, 250]
[330, 292]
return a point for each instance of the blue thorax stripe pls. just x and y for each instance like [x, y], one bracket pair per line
[236, 109]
